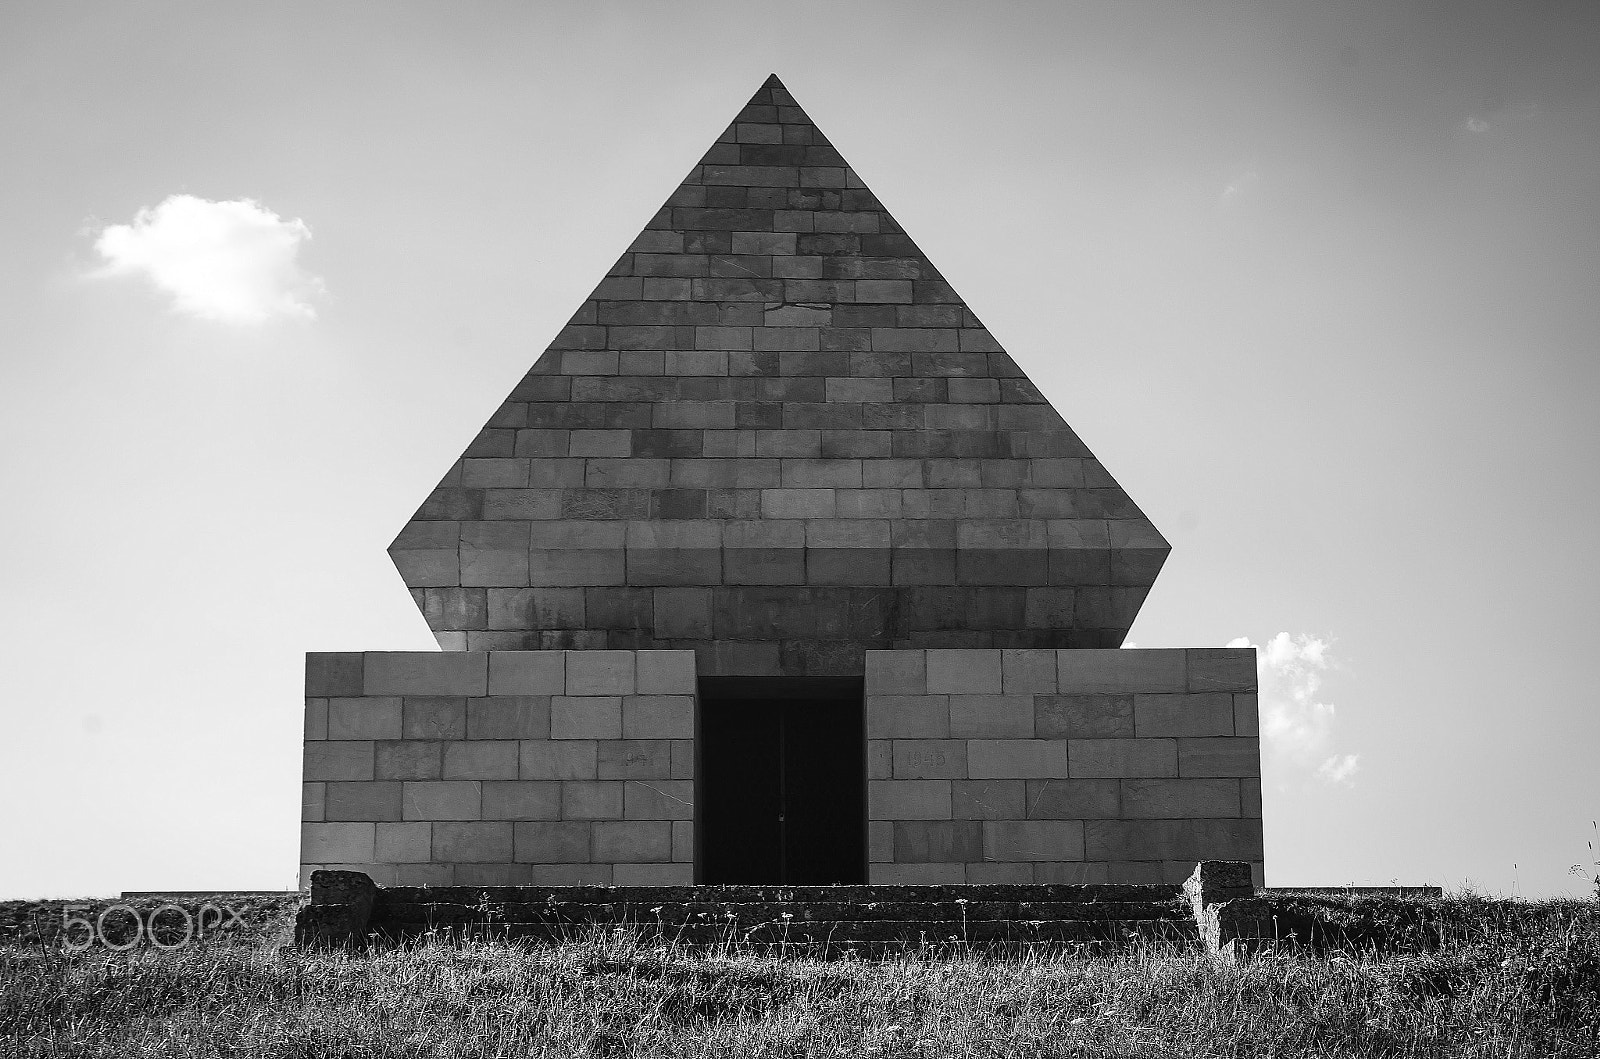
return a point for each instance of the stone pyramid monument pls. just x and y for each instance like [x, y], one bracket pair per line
[775, 435]
[775, 568]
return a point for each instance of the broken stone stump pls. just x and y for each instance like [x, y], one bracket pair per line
[336, 918]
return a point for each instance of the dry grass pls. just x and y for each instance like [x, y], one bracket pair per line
[1509, 979]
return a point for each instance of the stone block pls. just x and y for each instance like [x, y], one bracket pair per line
[333, 673]
[633, 841]
[1123, 758]
[509, 717]
[425, 673]
[1033, 840]
[934, 841]
[916, 874]
[908, 716]
[522, 800]
[797, 503]
[425, 874]
[1222, 668]
[1195, 714]
[480, 759]
[683, 759]
[665, 673]
[313, 801]
[908, 799]
[553, 843]
[600, 672]
[558, 759]
[658, 800]
[344, 760]
[586, 717]
[434, 717]
[848, 566]
[635, 759]
[1083, 716]
[658, 716]
[988, 800]
[492, 874]
[569, 874]
[1066, 799]
[1239, 757]
[683, 613]
[880, 759]
[442, 800]
[1246, 714]
[1088, 873]
[1028, 672]
[372, 717]
[337, 843]
[363, 800]
[1173, 840]
[880, 841]
[1250, 797]
[527, 673]
[683, 841]
[481, 842]
[1121, 671]
[404, 843]
[991, 716]
[964, 672]
[898, 673]
[316, 723]
[1017, 759]
[652, 874]
[591, 800]
[1000, 874]
[1179, 799]
[929, 759]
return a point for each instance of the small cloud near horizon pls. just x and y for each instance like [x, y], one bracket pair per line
[1297, 731]
[232, 262]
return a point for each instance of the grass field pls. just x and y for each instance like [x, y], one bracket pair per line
[1508, 979]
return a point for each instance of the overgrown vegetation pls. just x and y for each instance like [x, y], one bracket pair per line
[1504, 979]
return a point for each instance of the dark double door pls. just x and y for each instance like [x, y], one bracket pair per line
[782, 788]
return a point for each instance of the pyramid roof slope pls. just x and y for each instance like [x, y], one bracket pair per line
[775, 434]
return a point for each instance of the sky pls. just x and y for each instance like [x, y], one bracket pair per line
[1318, 282]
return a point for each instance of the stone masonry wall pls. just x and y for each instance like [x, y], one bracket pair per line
[1023, 766]
[501, 768]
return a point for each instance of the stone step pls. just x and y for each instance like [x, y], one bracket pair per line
[746, 913]
[1091, 893]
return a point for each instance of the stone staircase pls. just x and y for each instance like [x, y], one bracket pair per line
[820, 919]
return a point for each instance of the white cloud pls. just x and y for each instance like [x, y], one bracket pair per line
[233, 262]
[1297, 730]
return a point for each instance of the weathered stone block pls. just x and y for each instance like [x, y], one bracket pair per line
[1222, 669]
[924, 759]
[908, 799]
[988, 800]
[1245, 714]
[1195, 714]
[1088, 873]
[1028, 672]
[658, 799]
[527, 673]
[313, 802]
[1083, 716]
[1017, 759]
[363, 801]
[586, 717]
[442, 800]
[991, 716]
[425, 673]
[403, 843]
[1219, 757]
[591, 800]
[916, 874]
[635, 759]
[371, 717]
[683, 841]
[908, 716]
[1030, 840]
[1067, 799]
[316, 720]
[964, 672]
[1173, 840]
[479, 759]
[333, 673]
[337, 843]
[434, 717]
[554, 843]
[658, 716]
[1000, 874]
[479, 842]
[560, 759]
[633, 841]
[600, 672]
[509, 717]
[522, 800]
[932, 841]
[1168, 799]
[896, 673]
[1119, 671]
[665, 673]
[1118, 758]
[344, 760]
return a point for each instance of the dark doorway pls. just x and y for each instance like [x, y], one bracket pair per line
[781, 788]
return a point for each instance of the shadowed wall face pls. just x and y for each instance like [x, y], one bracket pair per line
[775, 436]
